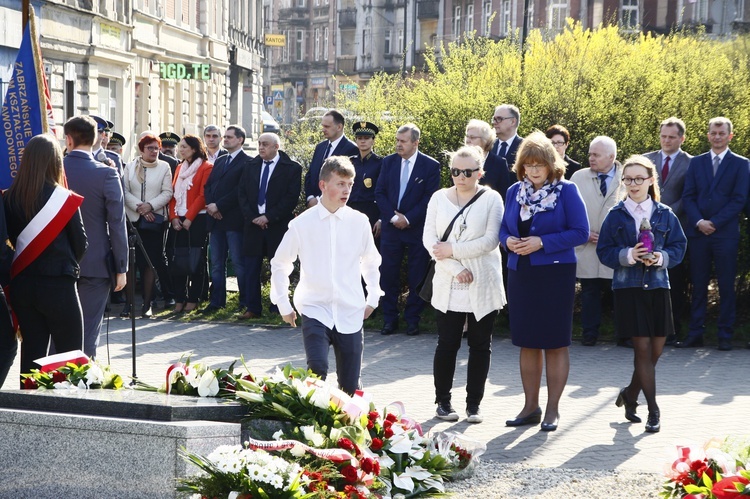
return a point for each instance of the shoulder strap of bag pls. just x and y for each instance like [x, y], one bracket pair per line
[450, 225]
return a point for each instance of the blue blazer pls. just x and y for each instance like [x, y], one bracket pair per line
[103, 213]
[423, 182]
[345, 148]
[561, 229]
[221, 188]
[719, 198]
[496, 174]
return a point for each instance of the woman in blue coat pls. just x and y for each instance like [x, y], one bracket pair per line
[643, 308]
[545, 219]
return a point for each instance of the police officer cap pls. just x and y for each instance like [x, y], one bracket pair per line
[169, 138]
[116, 138]
[102, 124]
[365, 129]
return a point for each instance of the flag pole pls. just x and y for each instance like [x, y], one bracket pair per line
[25, 10]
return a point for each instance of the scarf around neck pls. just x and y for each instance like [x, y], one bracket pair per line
[533, 202]
[185, 180]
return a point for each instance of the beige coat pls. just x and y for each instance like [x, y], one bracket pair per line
[597, 207]
[158, 189]
[476, 250]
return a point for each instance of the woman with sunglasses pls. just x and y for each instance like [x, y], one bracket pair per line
[468, 280]
[545, 219]
[643, 308]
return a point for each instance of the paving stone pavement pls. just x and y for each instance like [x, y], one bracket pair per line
[702, 393]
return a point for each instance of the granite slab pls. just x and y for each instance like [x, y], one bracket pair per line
[125, 403]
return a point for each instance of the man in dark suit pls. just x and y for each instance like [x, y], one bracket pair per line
[225, 222]
[407, 180]
[506, 120]
[716, 190]
[169, 143]
[268, 194]
[335, 144]
[103, 214]
[212, 139]
[672, 164]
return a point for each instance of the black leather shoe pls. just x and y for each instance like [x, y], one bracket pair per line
[209, 310]
[588, 341]
[725, 345]
[653, 425]
[125, 312]
[630, 407]
[146, 312]
[690, 342]
[551, 426]
[412, 331]
[531, 419]
[671, 340]
[389, 328]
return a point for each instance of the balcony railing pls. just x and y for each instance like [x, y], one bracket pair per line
[293, 15]
[348, 18]
[428, 9]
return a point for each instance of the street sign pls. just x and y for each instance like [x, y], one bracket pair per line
[278, 95]
[269, 100]
[275, 40]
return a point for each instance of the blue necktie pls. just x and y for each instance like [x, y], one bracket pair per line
[503, 149]
[328, 151]
[404, 181]
[264, 183]
[603, 183]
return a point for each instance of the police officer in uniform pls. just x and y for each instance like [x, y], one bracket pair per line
[169, 141]
[116, 143]
[367, 165]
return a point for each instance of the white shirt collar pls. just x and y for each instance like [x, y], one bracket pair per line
[323, 212]
[720, 155]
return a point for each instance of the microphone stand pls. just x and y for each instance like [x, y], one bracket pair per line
[134, 239]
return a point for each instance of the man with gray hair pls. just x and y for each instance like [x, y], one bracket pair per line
[599, 184]
[407, 180]
[212, 138]
[506, 120]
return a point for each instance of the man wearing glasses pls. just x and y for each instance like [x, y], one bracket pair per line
[599, 185]
[506, 120]
[672, 164]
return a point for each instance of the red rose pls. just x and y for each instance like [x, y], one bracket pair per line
[376, 444]
[30, 384]
[391, 417]
[350, 473]
[388, 433]
[370, 424]
[370, 465]
[373, 415]
[726, 489]
[58, 377]
[387, 424]
[345, 443]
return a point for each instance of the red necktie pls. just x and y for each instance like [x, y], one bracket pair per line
[665, 169]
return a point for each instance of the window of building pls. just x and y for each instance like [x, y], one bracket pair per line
[469, 18]
[300, 3]
[486, 16]
[186, 11]
[629, 18]
[325, 43]
[505, 21]
[387, 37]
[457, 21]
[557, 11]
[317, 44]
[300, 45]
[400, 47]
[107, 108]
[285, 48]
[171, 9]
[367, 36]
[530, 24]
[700, 11]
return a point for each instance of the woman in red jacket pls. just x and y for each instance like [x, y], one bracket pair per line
[187, 215]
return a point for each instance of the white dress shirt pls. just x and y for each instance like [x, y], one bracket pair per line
[412, 160]
[271, 168]
[336, 251]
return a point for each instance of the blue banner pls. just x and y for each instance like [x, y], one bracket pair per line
[24, 112]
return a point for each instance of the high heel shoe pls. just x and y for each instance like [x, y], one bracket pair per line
[125, 312]
[530, 419]
[178, 308]
[630, 407]
[146, 312]
[190, 306]
[551, 426]
[653, 424]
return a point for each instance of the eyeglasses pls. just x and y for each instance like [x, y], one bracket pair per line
[467, 173]
[151, 148]
[558, 143]
[631, 181]
[500, 119]
[535, 168]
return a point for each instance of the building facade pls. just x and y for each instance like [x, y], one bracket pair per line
[161, 65]
[335, 45]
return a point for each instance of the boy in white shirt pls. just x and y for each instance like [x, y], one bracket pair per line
[336, 251]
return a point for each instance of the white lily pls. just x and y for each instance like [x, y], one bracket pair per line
[250, 397]
[312, 436]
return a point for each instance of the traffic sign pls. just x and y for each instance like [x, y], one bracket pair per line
[278, 95]
[269, 100]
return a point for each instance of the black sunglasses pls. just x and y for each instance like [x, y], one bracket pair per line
[467, 173]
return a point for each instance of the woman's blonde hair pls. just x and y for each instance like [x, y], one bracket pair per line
[473, 152]
[486, 133]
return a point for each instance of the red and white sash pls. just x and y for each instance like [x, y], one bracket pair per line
[44, 227]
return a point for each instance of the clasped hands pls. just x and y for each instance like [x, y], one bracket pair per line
[443, 250]
[639, 252]
[524, 245]
[145, 210]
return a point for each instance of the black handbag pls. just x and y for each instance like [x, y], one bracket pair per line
[185, 260]
[424, 288]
